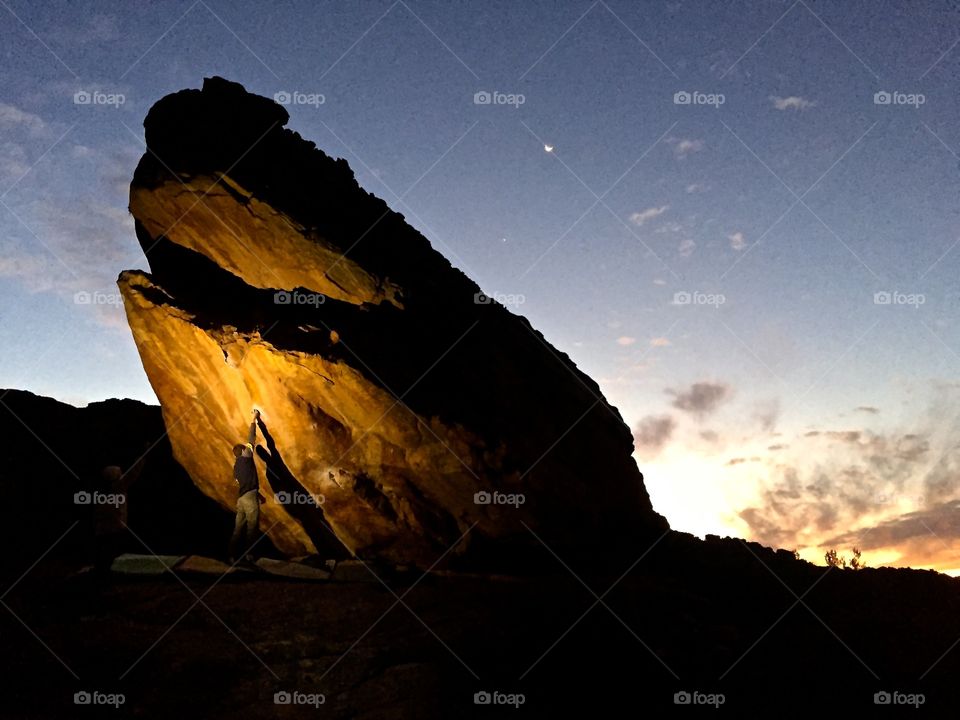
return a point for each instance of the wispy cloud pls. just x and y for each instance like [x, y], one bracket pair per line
[794, 102]
[669, 227]
[737, 241]
[626, 340]
[639, 218]
[684, 146]
[13, 117]
[659, 342]
[686, 247]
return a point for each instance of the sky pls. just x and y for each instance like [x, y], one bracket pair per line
[740, 218]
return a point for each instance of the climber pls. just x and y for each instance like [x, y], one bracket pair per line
[111, 535]
[248, 500]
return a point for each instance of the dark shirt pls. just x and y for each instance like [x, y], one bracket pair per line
[245, 470]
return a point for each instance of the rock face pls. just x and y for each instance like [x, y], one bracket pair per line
[386, 387]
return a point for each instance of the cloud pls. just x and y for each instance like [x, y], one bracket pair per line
[81, 151]
[14, 117]
[670, 227]
[701, 398]
[684, 146]
[74, 249]
[923, 538]
[695, 188]
[736, 241]
[869, 409]
[850, 436]
[639, 218]
[14, 163]
[653, 432]
[767, 413]
[97, 29]
[686, 248]
[625, 340]
[659, 342]
[839, 480]
[659, 281]
[794, 102]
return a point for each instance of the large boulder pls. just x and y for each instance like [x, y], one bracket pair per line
[392, 392]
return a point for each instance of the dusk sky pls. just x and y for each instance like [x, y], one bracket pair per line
[741, 219]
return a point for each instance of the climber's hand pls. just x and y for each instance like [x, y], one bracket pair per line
[256, 414]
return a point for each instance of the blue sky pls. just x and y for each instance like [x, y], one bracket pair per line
[780, 206]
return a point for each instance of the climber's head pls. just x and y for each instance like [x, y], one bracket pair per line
[237, 450]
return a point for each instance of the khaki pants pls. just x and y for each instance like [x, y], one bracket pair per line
[245, 525]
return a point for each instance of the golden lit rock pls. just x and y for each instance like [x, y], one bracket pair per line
[408, 416]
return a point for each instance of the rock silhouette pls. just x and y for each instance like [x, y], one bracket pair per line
[391, 386]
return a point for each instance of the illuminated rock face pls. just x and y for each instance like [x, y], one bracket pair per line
[389, 392]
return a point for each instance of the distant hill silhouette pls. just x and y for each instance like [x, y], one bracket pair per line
[53, 450]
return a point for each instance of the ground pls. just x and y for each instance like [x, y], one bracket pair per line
[716, 619]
